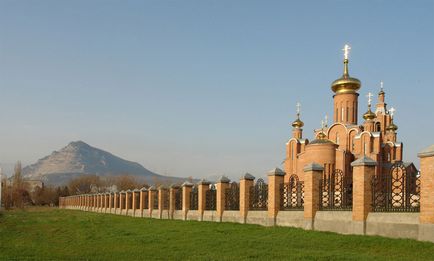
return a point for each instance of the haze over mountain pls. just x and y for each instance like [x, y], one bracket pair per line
[79, 158]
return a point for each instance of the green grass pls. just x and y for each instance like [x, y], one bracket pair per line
[53, 234]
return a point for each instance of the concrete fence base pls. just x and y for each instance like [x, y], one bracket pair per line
[393, 225]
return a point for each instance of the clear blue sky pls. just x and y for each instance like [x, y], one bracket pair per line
[203, 88]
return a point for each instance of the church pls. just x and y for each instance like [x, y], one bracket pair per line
[345, 140]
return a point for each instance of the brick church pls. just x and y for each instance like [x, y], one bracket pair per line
[346, 140]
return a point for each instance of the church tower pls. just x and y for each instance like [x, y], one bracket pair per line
[297, 131]
[346, 96]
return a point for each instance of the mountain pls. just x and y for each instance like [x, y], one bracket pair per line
[79, 158]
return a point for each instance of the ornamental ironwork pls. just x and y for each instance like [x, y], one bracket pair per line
[194, 198]
[259, 196]
[211, 198]
[292, 194]
[336, 192]
[232, 197]
[178, 199]
[396, 191]
[112, 201]
[137, 200]
[165, 198]
[145, 200]
[155, 203]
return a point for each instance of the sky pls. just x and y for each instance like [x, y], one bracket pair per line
[203, 88]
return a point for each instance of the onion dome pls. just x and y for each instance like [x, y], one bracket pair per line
[392, 127]
[369, 115]
[297, 123]
[321, 139]
[346, 84]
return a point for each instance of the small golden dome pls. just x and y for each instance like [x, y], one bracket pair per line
[392, 127]
[369, 115]
[297, 123]
[321, 139]
[346, 84]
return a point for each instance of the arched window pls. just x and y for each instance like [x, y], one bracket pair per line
[377, 126]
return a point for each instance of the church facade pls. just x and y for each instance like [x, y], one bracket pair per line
[345, 140]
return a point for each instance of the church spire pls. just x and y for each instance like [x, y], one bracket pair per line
[297, 125]
[392, 128]
[346, 84]
[369, 115]
[346, 97]
[346, 50]
[381, 105]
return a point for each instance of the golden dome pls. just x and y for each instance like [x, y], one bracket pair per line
[321, 139]
[346, 84]
[297, 123]
[369, 115]
[392, 127]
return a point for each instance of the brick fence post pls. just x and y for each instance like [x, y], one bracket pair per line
[222, 185]
[203, 187]
[143, 193]
[152, 191]
[426, 218]
[110, 204]
[162, 194]
[122, 201]
[105, 203]
[134, 204]
[246, 182]
[186, 190]
[363, 171]
[102, 202]
[173, 189]
[99, 202]
[312, 176]
[275, 181]
[96, 202]
[116, 202]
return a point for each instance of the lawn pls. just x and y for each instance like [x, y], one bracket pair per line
[54, 234]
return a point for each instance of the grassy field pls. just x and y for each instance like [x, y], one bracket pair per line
[53, 234]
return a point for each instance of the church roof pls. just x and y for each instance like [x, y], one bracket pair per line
[321, 141]
[426, 152]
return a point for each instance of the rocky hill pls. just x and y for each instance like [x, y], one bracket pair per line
[79, 158]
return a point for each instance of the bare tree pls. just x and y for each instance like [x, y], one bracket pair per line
[84, 184]
[19, 193]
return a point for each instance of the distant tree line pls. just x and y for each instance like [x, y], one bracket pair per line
[17, 193]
